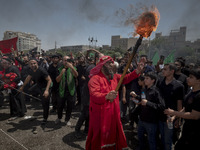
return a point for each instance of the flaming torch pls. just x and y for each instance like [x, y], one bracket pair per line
[144, 26]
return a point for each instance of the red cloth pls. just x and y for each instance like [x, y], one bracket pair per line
[6, 45]
[9, 80]
[98, 67]
[105, 127]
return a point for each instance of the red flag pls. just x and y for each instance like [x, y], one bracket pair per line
[6, 45]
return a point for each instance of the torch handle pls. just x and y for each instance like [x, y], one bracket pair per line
[138, 43]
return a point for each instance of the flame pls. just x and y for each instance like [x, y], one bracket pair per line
[147, 23]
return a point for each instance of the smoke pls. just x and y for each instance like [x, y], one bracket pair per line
[90, 9]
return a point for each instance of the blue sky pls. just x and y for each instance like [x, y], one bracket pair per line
[71, 22]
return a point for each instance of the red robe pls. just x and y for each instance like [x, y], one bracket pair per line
[105, 127]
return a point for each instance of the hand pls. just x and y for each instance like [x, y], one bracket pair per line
[169, 112]
[21, 89]
[63, 70]
[177, 123]
[111, 95]
[83, 78]
[133, 94]
[124, 100]
[46, 93]
[143, 102]
[68, 65]
[140, 67]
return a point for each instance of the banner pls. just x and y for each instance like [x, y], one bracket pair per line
[155, 58]
[170, 58]
[6, 45]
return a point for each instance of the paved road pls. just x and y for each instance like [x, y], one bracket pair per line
[22, 134]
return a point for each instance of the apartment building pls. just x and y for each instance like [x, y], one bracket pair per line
[26, 41]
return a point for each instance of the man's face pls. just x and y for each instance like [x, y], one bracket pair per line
[108, 69]
[33, 65]
[25, 59]
[166, 71]
[81, 60]
[178, 65]
[148, 81]
[192, 80]
[55, 60]
[5, 64]
[65, 60]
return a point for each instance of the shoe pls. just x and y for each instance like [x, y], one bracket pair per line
[78, 134]
[68, 123]
[57, 121]
[12, 118]
[44, 121]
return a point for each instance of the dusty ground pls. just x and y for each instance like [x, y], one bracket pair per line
[28, 134]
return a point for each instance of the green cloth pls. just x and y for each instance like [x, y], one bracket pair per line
[170, 57]
[155, 58]
[70, 82]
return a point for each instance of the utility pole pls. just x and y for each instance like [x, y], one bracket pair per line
[91, 40]
[55, 45]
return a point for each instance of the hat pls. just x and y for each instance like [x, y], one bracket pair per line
[54, 56]
[98, 67]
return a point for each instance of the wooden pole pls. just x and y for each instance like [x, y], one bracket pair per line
[138, 43]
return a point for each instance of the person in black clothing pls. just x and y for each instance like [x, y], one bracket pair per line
[17, 104]
[66, 76]
[191, 114]
[84, 117]
[43, 81]
[172, 92]
[179, 75]
[137, 86]
[151, 106]
[24, 73]
[52, 73]
[80, 69]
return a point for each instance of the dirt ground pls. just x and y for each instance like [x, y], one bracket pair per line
[23, 133]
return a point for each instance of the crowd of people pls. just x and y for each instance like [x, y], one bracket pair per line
[161, 103]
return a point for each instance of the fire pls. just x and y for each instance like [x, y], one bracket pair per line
[147, 23]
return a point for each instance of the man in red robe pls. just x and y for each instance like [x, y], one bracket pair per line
[105, 128]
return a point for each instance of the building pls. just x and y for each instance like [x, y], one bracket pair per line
[26, 41]
[125, 43]
[75, 48]
[176, 38]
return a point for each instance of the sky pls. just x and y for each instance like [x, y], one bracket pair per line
[72, 22]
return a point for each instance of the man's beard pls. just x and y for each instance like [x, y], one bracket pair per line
[108, 72]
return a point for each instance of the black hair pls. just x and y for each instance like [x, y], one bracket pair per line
[195, 72]
[141, 78]
[172, 66]
[151, 75]
[181, 60]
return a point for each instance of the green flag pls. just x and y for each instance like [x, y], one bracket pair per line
[170, 58]
[155, 58]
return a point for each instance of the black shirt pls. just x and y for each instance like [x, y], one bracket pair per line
[53, 74]
[191, 127]
[81, 71]
[39, 77]
[154, 106]
[183, 79]
[171, 93]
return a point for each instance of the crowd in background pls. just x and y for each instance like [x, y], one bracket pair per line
[162, 94]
